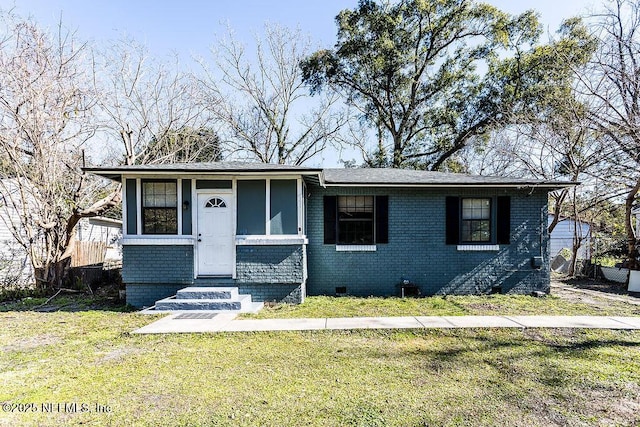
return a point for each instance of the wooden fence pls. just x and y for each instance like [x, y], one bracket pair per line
[88, 253]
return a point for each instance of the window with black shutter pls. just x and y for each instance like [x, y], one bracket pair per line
[356, 220]
[471, 220]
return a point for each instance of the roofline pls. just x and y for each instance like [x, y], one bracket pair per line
[105, 219]
[119, 173]
[551, 185]
[113, 173]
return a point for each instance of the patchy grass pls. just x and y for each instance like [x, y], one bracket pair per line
[327, 378]
[323, 306]
[74, 302]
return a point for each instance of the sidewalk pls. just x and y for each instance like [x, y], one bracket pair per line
[226, 322]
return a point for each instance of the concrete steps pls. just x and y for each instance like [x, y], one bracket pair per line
[214, 299]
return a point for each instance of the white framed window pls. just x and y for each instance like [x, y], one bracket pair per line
[475, 223]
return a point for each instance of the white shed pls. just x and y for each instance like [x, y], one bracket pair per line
[563, 234]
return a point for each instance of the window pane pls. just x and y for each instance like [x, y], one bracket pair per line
[476, 208]
[284, 206]
[159, 194]
[476, 220]
[355, 220]
[355, 204]
[159, 207]
[251, 207]
[160, 221]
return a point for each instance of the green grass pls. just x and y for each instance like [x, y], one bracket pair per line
[327, 378]
[323, 306]
[65, 303]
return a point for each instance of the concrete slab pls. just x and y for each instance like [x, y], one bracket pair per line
[274, 325]
[631, 322]
[373, 323]
[591, 322]
[434, 322]
[482, 322]
[225, 322]
[170, 324]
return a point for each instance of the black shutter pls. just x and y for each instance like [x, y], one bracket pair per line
[503, 217]
[382, 219]
[330, 219]
[453, 220]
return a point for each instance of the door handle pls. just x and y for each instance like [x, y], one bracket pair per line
[199, 240]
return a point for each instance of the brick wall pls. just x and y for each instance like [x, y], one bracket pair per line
[271, 272]
[170, 264]
[154, 272]
[146, 295]
[291, 293]
[269, 264]
[417, 251]
[268, 273]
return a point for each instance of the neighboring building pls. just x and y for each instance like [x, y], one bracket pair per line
[15, 264]
[281, 232]
[635, 212]
[563, 235]
[104, 230]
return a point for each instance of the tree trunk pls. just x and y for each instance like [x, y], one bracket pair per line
[397, 152]
[557, 207]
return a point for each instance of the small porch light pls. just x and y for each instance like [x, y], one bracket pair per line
[185, 205]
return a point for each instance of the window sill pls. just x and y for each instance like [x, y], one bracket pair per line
[478, 248]
[157, 240]
[271, 240]
[356, 248]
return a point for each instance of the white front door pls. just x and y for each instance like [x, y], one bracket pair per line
[215, 234]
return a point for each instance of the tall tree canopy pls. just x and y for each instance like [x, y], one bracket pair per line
[430, 76]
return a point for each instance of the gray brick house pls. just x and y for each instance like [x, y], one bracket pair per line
[282, 232]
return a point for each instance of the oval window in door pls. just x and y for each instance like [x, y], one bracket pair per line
[215, 202]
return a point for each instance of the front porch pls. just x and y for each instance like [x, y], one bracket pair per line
[274, 273]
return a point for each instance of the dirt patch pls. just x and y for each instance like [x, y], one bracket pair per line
[31, 343]
[596, 285]
[571, 296]
[615, 407]
[117, 355]
[598, 294]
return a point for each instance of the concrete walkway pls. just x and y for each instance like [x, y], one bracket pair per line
[226, 322]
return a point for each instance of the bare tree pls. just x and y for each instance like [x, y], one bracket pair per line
[612, 79]
[46, 106]
[263, 103]
[562, 145]
[145, 104]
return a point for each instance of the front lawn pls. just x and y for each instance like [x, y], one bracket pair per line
[497, 305]
[483, 377]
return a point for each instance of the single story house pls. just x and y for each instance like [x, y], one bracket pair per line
[282, 232]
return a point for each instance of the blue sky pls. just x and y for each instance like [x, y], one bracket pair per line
[189, 27]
